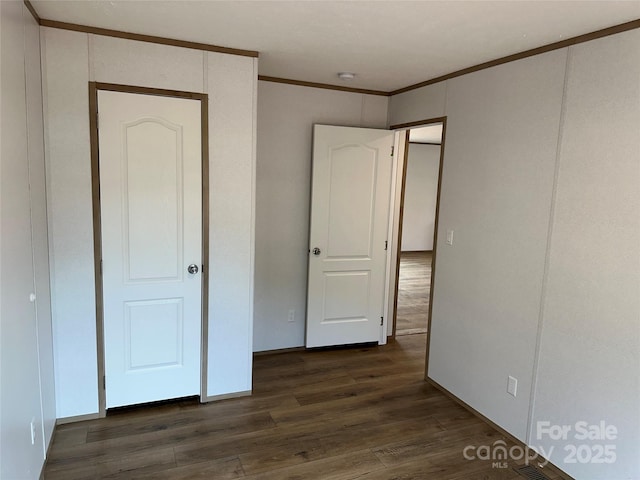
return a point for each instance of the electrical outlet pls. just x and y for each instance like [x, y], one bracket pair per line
[292, 315]
[512, 386]
[33, 431]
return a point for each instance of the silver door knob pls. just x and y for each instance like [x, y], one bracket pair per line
[193, 268]
[316, 251]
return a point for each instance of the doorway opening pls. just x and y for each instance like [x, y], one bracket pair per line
[414, 226]
[422, 164]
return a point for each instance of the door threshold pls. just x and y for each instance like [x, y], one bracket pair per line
[354, 346]
[173, 402]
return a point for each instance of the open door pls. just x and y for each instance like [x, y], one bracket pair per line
[348, 235]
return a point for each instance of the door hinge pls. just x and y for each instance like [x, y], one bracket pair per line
[381, 320]
[104, 382]
[97, 121]
[392, 149]
[386, 244]
[100, 267]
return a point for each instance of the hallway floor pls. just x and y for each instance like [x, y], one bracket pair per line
[413, 292]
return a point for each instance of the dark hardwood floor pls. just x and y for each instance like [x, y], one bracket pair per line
[414, 282]
[363, 413]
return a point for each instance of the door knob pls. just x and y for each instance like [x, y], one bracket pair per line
[193, 268]
[316, 251]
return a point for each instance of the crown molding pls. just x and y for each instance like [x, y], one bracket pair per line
[32, 10]
[137, 36]
[605, 32]
[587, 37]
[326, 86]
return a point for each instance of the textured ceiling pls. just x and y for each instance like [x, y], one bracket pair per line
[387, 44]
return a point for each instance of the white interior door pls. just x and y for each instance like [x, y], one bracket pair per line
[349, 224]
[151, 202]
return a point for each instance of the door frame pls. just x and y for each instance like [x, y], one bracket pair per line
[94, 87]
[396, 215]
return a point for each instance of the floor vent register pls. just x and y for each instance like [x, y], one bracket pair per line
[530, 472]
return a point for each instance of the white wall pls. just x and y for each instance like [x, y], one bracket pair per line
[70, 61]
[420, 104]
[39, 220]
[540, 185]
[497, 181]
[420, 196]
[589, 357]
[286, 114]
[26, 370]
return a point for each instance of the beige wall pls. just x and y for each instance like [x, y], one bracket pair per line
[420, 104]
[497, 182]
[540, 185]
[421, 192]
[589, 356]
[26, 359]
[286, 115]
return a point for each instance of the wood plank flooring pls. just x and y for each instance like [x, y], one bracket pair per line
[414, 283]
[359, 413]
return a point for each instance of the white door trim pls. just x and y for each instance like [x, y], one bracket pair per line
[397, 191]
[97, 234]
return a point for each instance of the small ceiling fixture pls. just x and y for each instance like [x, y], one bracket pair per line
[346, 76]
